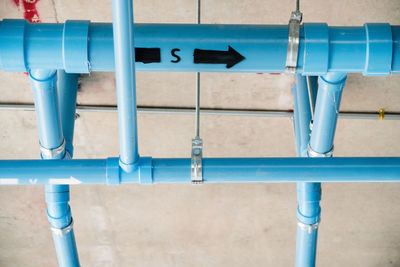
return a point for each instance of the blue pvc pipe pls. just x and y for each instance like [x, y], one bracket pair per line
[124, 53]
[306, 247]
[65, 244]
[308, 213]
[296, 123]
[373, 49]
[59, 216]
[66, 249]
[215, 170]
[51, 136]
[46, 107]
[67, 86]
[326, 111]
[308, 194]
[302, 114]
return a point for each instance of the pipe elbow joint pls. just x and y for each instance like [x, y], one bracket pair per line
[61, 221]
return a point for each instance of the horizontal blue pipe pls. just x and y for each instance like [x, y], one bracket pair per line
[215, 170]
[373, 49]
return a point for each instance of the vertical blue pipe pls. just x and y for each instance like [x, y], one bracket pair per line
[321, 142]
[306, 241]
[296, 121]
[306, 247]
[124, 54]
[51, 137]
[60, 219]
[67, 90]
[308, 215]
[46, 107]
[302, 113]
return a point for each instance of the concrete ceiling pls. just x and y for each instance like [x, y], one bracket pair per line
[209, 225]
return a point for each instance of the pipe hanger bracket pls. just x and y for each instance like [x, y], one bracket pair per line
[197, 161]
[293, 41]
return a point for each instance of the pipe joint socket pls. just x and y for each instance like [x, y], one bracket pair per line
[309, 220]
[332, 78]
[58, 210]
[309, 196]
[128, 168]
[12, 45]
[75, 46]
[61, 221]
[113, 171]
[141, 172]
[146, 171]
[379, 42]
[43, 79]
[316, 49]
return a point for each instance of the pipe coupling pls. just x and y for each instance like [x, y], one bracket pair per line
[308, 227]
[63, 231]
[55, 153]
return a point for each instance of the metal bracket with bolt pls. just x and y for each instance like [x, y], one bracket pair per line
[293, 40]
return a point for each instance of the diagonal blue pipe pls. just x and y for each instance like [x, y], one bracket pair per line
[50, 124]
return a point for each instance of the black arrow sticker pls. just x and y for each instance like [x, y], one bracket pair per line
[147, 55]
[230, 57]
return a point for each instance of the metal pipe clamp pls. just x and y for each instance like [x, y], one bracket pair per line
[197, 161]
[308, 227]
[293, 42]
[63, 231]
[314, 154]
[53, 153]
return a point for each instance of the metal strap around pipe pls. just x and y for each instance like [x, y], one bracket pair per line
[293, 41]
